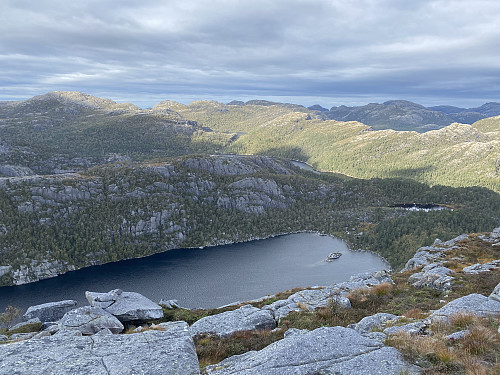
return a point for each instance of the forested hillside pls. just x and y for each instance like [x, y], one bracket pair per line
[53, 224]
[89, 181]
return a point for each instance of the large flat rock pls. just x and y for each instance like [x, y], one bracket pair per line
[169, 352]
[245, 318]
[326, 350]
[49, 312]
[475, 304]
[126, 306]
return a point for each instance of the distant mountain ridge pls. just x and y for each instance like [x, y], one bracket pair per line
[406, 115]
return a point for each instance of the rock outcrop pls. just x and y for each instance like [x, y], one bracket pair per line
[311, 299]
[49, 312]
[326, 350]
[68, 353]
[89, 320]
[246, 318]
[475, 304]
[433, 276]
[126, 306]
[370, 323]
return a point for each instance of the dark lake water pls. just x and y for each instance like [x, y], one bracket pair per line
[208, 277]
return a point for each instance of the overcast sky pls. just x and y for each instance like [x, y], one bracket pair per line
[329, 52]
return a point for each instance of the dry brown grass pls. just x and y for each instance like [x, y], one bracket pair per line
[481, 340]
[416, 313]
[382, 289]
[477, 353]
[213, 349]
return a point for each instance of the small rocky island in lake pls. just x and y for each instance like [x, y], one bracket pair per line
[333, 256]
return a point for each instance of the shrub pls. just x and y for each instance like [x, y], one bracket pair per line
[9, 315]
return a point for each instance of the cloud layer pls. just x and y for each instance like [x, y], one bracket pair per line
[336, 51]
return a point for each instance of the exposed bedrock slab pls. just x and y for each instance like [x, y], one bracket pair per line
[245, 318]
[475, 304]
[126, 306]
[326, 350]
[168, 352]
[49, 312]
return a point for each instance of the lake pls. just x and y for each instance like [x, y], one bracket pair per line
[208, 277]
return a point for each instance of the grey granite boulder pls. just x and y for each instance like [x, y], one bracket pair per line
[169, 303]
[89, 320]
[126, 306]
[49, 312]
[3, 338]
[308, 299]
[475, 304]
[433, 276]
[495, 295]
[423, 257]
[365, 280]
[169, 352]
[453, 241]
[326, 350]
[246, 318]
[415, 328]
[460, 335]
[479, 268]
[370, 323]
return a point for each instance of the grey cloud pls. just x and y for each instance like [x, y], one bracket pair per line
[283, 48]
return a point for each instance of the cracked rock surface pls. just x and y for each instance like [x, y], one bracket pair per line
[49, 312]
[245, 318]
[326, 350]
[474, 303]
[126, 306]
[89, 320]
[169, 352]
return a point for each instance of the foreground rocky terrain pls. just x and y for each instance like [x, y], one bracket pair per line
[415, 321]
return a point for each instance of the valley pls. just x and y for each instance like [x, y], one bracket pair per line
[88, 181]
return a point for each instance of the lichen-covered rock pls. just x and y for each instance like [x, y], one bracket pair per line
[89, 320]
[245, 318]
[326, 350]
[475, 304]
[169, 352]
[49, 312]
[370, 323]
[126, 306]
